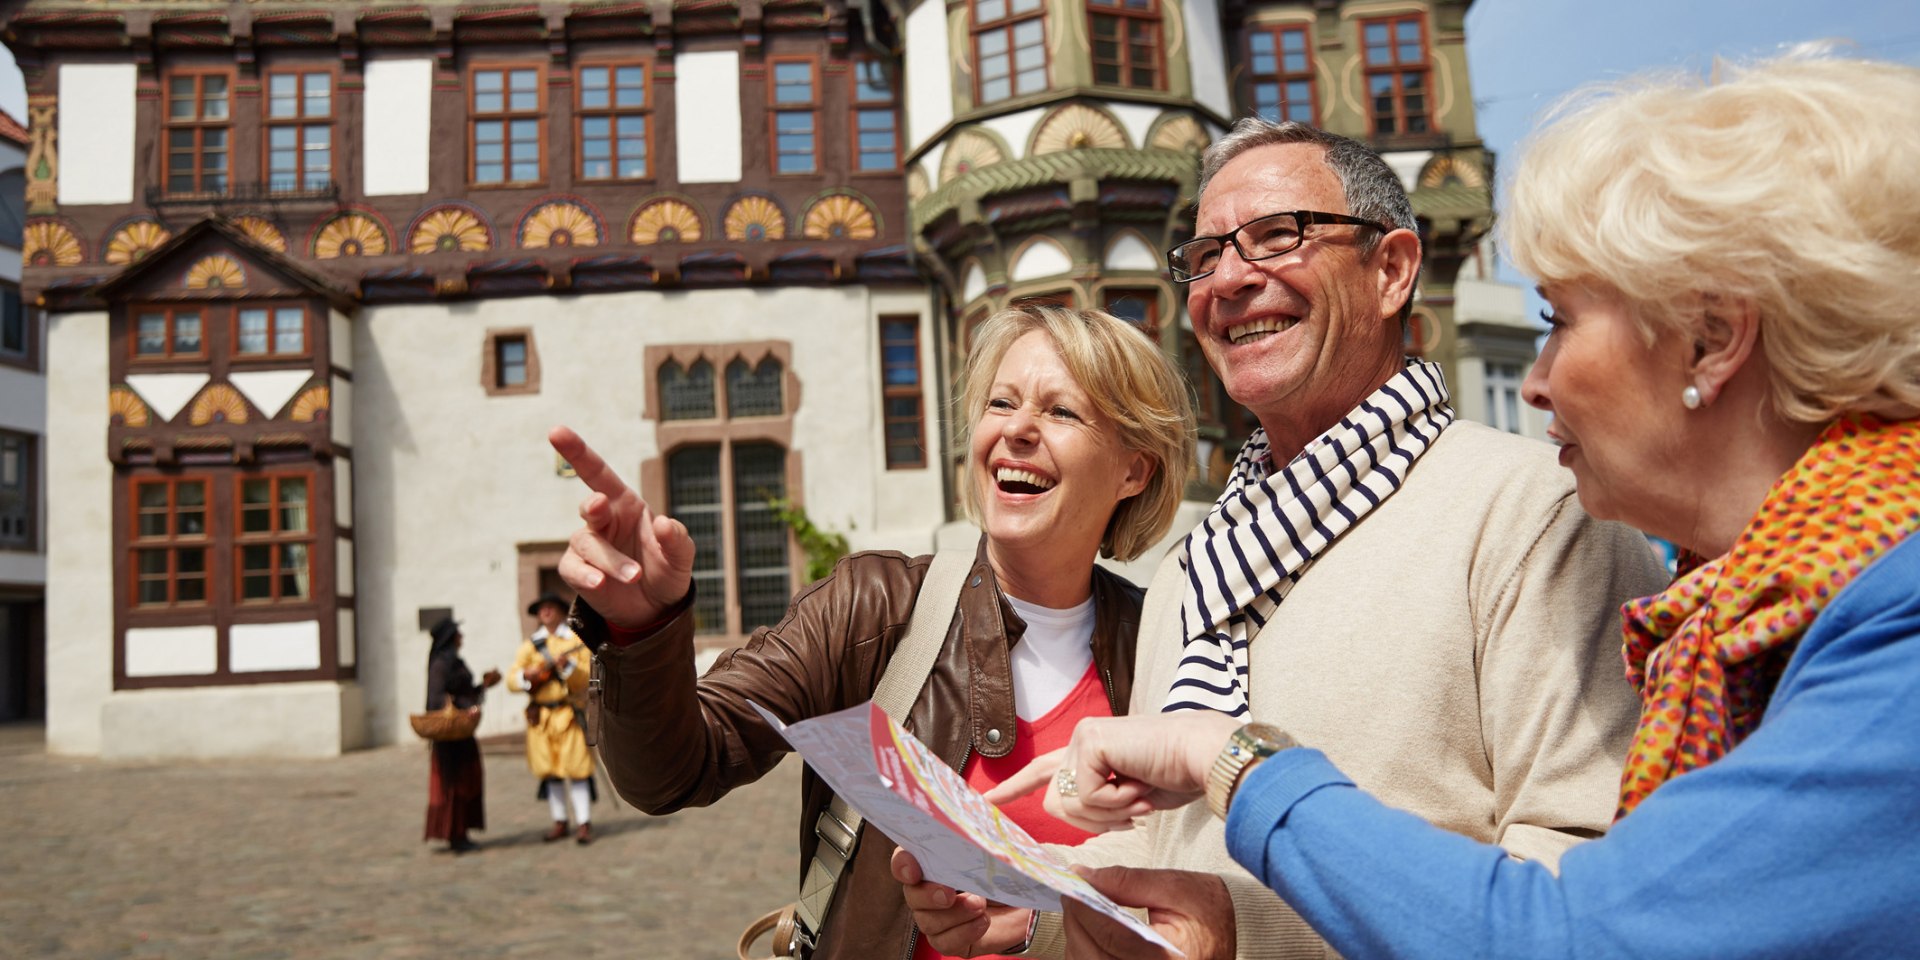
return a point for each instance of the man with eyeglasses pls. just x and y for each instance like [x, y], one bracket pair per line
[1420, 598]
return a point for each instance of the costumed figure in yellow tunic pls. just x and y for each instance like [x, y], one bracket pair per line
[552, 667]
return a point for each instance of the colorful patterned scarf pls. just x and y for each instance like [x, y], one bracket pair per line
[1269, 524]
[1706, 653]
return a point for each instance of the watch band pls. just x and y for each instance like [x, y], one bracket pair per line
[1255, 741]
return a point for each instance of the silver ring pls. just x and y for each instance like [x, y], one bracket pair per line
[1063, 783]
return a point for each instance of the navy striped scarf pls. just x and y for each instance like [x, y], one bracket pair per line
[1268, 525]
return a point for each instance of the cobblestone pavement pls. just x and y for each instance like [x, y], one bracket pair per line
[323, 859]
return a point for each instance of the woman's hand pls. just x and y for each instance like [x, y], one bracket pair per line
[1119, 768]
[1193, 911]
[954, 923]
[630, 563]
[490, 678]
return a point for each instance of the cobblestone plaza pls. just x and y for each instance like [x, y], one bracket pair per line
[251, 860]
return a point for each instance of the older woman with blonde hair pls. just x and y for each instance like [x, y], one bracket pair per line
[1079, 439]
[1734, 364]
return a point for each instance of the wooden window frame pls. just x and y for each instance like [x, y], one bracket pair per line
[299, 123]
[976, 28]
[890, 392]
[28, 356]
[505, 117]
[775, 108]
[490, 363]
[859, 105]
[199, 126]
[613, 112]
[275, 538]
[273, 309]
[1503, 392]
[171, 310]
[29, 487]
[1398, 70]
[1151, 295]
[1281, 75]
[1127, 15]
[173, 542]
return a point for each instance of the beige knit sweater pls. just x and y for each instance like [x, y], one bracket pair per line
[1456, 653]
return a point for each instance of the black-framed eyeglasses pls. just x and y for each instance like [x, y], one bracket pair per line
[1257, 239]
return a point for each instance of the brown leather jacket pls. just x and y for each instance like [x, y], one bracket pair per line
[669, 741]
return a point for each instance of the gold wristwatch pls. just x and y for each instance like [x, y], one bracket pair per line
[1255, 741]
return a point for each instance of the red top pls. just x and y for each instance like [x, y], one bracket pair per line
[1031, 739]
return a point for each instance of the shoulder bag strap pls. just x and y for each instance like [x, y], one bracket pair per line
[838, 826]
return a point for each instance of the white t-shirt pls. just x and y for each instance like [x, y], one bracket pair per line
[1051, 656]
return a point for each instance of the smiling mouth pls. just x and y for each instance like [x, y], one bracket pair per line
[1241, 334]
[1025, 482]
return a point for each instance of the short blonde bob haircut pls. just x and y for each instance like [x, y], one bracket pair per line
[1131, 386]
[1788, 184]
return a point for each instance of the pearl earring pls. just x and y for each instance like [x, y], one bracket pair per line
[1690, 397]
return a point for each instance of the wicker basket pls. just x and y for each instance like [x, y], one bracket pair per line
[450, 723]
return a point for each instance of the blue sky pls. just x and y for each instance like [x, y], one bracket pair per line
[1524, 54]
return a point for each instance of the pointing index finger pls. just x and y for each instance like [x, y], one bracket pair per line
[586, 464]
[1036, 774]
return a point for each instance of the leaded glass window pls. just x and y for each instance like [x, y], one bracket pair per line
[753, 391]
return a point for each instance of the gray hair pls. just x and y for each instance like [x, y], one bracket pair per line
[1373, 189]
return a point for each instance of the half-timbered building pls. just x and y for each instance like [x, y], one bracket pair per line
[317, 277]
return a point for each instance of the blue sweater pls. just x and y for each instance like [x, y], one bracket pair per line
[1802, 842]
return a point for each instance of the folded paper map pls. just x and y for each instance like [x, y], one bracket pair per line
[960, 839]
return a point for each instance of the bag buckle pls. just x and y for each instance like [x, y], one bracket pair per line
[835, 833]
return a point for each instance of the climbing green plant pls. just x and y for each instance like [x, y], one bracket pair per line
[823, 547]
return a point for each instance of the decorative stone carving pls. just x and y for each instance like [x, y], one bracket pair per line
[262, 231]
[969, 150]
[1182, 133]
[125, 407]
[450, 229]
[559, 223]
[351, 235]
[1448, 167]
[43, 157]
[217, 404]
[134, 240]
[839, 218]
[312, 403]
[217, 272]
[665, 221]
[49, 243]
[1077, 126]
[755, 218]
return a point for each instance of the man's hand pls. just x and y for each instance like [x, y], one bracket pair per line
[1124, 767]
[535, 676]
[954, 923]
[628, 562]
[1192, 910]
[490, 678]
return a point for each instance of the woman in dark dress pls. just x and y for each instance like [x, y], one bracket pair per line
[456, 801]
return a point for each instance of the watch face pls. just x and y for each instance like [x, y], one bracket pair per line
[1265, 738]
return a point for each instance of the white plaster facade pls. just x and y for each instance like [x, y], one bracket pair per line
[79, 534]
[444, 486]
[399, 115]
[707, 124]
[96, 145]
[449, 481]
